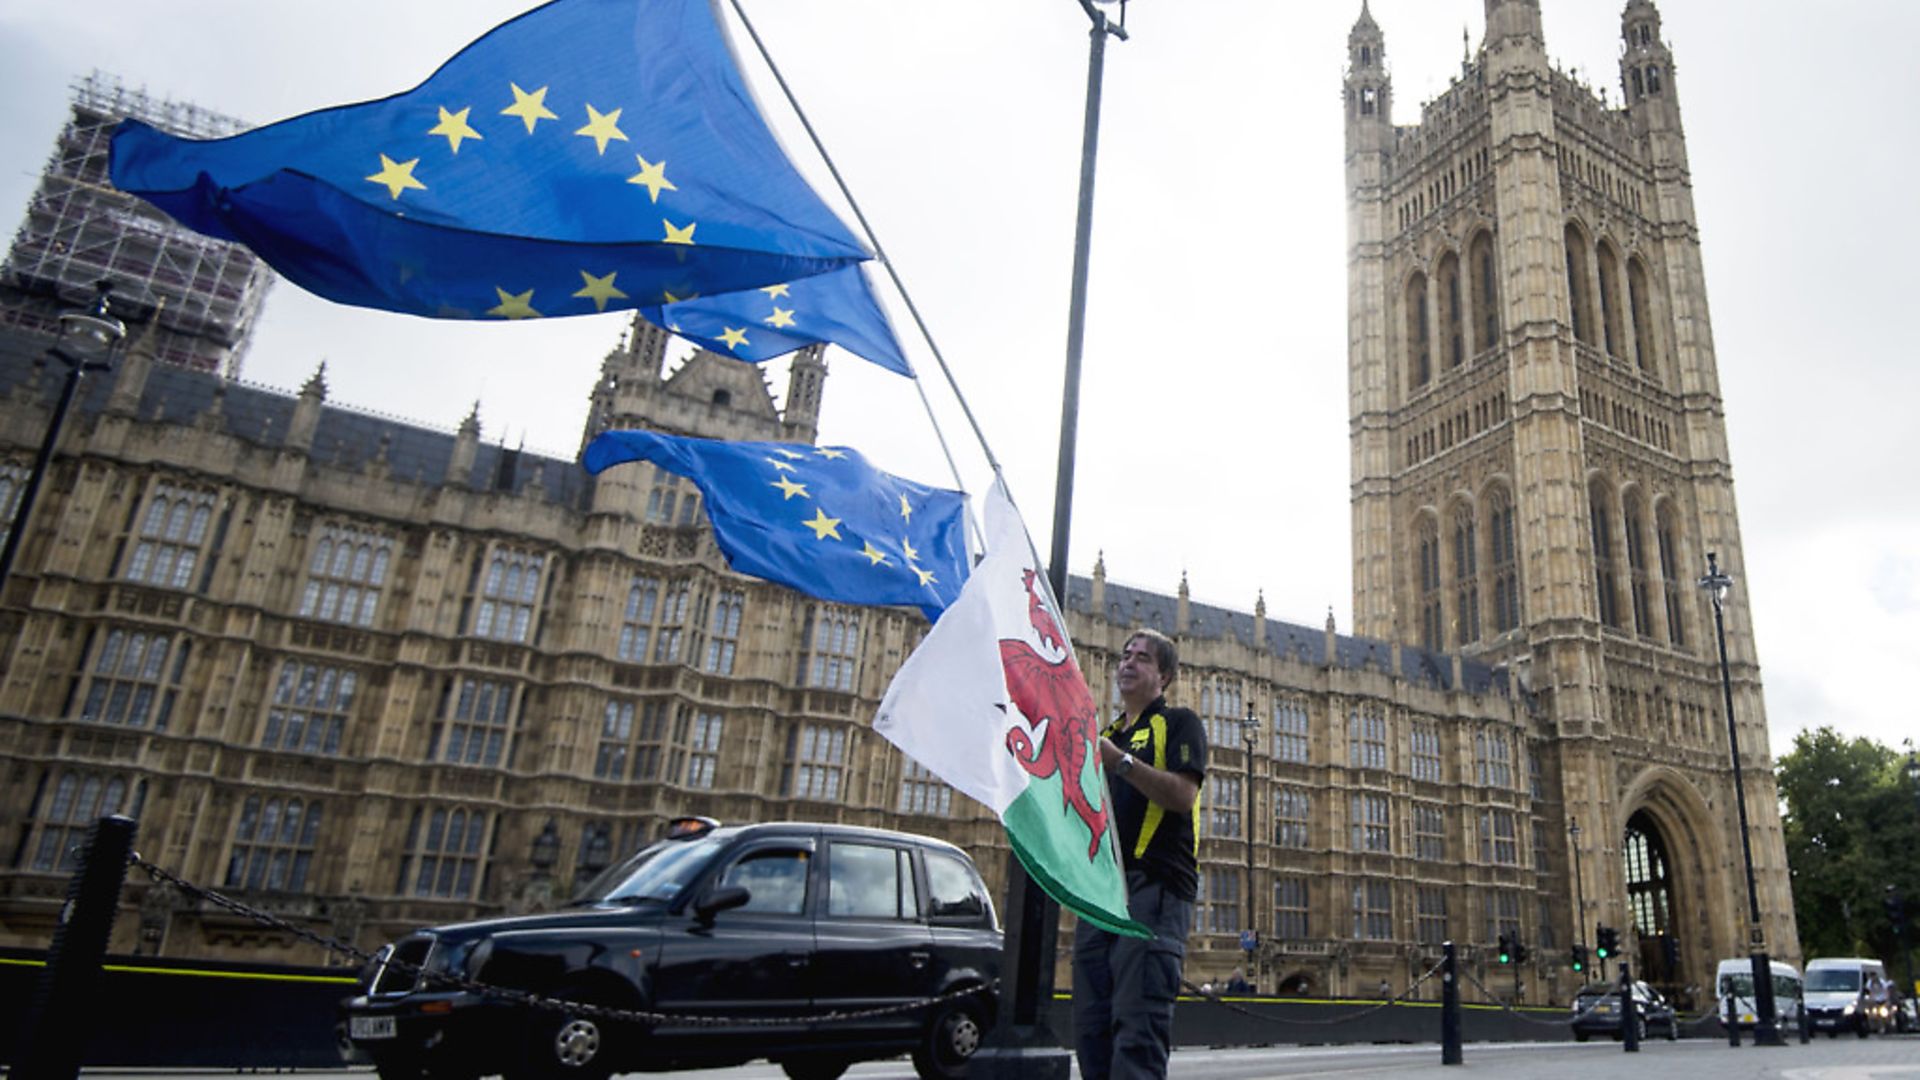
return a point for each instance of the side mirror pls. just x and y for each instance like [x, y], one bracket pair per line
[722, 899]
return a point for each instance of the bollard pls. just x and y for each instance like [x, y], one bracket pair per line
[1806, 1024]
[1450, 1009]
[1629, 1013]
[1733, 1020]
[54, 1035]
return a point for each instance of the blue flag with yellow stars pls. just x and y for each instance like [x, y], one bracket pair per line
[818, 519]
[586, 156]
[760, 324]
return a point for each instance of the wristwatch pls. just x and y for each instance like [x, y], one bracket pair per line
[1125, 764]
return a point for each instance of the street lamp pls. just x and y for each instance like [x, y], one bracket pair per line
[546, 850]
[1250, 735]
[1579, 888]
[1765, 1031]
[86, 343]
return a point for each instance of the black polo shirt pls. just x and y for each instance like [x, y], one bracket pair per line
[1164, 845]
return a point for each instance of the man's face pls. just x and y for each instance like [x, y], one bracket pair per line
[1138, 675]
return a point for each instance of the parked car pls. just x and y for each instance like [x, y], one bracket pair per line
[1596, 1011]
[1840, 996]
[758, 934]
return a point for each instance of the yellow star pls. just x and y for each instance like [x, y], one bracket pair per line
[514, 306]
[668, 298]
[788, 489]
[531, 108]
[397, 175]
[785, 453]
[926, 576]
[906, 511]
[823, 526]
[780, 317]
[652, 176]
[602, 128]
[678, 235]
[733, 338]
[907, 550]
[781, 465]
[599, 290]
[830, 452]
[875, 557]
[454, 126]
[775, 292]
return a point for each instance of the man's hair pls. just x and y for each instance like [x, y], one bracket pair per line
[1165, 656]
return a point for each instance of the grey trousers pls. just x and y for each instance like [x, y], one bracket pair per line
[1124, 988]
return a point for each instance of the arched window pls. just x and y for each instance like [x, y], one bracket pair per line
[1634, 519]
[1644, 351]
[1653, 78]
[1639, 88]
[1419, 347]
[1501, 563]
[1466, 579]
[1603, 573]
[1452, 327]
[1612, 337]
[1428, 570]
[1577, 285]
[1486, 295]
[1670, 575]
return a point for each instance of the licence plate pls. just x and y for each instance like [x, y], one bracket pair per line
[370, 1027]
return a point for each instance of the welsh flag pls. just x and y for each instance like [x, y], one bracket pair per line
[993, 703]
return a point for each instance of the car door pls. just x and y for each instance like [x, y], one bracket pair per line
[960, 911]
[753, 961]
[871, 946]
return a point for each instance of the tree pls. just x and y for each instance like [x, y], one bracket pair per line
[1852, 829]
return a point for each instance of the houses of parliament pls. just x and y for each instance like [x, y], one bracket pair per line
[369, 676]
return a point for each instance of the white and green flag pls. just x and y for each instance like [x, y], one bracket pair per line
[993, 703]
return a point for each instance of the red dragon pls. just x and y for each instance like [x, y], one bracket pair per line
[1053, 696]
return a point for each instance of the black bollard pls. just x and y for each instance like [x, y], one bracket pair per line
[1629, 1013]
[63, 1005]
[1806, 1023]
[1450, 1010]
[1733, 1020]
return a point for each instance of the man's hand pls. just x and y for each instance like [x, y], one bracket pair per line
[1171, 791]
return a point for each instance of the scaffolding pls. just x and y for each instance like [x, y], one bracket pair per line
[79, 229]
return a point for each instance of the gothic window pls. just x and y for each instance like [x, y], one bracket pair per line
[1639, 89]
[1653, 78]
[1603, 572]
[1290, 729]
[1486, 298]
[1637, 585]
[636, 622]
[1424, 740]
[1367, 737]
[1578, 289]
[131, 682]
[1466, 578]
[1503, 914]
[1493, 759]
[1499, 838]
[667, 504]
[507, 595]
[76, 801]
[1649, 882]
[1217, 909]
[13, 481]
[1429, 832]
[1291, 809]
[1612, 338]
[1373, 910]
[673, 616]
[442, 857]
[478, 727]
[1221, 710]
[1372, 828]
[1638, 298]
[1366, 55]
[273, 844]
[1369, 98]
[1427, 570]
[1670, 576]
[830, 649]
[345, 575]
[703, 752]
[1290, 909]
[1419, 350]
[310, 709]
[1223, 801]
[616, 740]
[649, 731]
[1504, 563]
[816, 762]
[921, 792]
[172, 533]
[723, 635]
[1452, 328]
[1431, 914]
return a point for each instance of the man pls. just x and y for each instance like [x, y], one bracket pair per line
[1155, 759]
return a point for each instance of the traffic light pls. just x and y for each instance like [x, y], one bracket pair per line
[1896, 908]
[1606, 941]
[1520, 951]
[1577, 958]
[1506, 949]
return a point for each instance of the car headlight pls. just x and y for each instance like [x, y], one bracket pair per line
[1847, 1009]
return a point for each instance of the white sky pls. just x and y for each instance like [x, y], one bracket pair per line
[1213, 431]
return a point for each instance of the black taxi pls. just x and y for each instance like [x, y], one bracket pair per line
[794, 942]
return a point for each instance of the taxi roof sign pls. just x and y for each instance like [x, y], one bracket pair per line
[690, 826]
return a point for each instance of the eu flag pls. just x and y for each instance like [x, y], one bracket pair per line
[588, 155]
[760, 324]
[818, 519]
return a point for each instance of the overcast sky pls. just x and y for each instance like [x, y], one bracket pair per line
[1213, 434]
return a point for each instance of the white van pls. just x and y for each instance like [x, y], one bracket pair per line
[1841, 995]
[1735, 978]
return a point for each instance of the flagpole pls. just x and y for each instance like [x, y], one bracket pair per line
[1025, 1045]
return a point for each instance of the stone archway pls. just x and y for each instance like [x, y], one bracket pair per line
[1672, 865]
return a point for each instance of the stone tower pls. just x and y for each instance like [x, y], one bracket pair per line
[1539, 459]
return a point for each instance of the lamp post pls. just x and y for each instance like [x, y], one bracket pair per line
[1765, 1031]
[1024, 1045]
[86, 343]
[1250, 735]
[1579, 889]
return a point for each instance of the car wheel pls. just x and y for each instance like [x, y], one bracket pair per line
[814, 1068]
[1580, 1036]
[949, 1043]
[564, 1046]
[1673, 1030]
[388, 1068]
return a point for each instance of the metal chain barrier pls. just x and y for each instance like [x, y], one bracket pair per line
[446, 980]
[1400, 998]
[1495, 998]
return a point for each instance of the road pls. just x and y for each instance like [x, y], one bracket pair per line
[1886, 1058]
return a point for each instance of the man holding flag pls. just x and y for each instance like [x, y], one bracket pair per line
[1155, 758]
